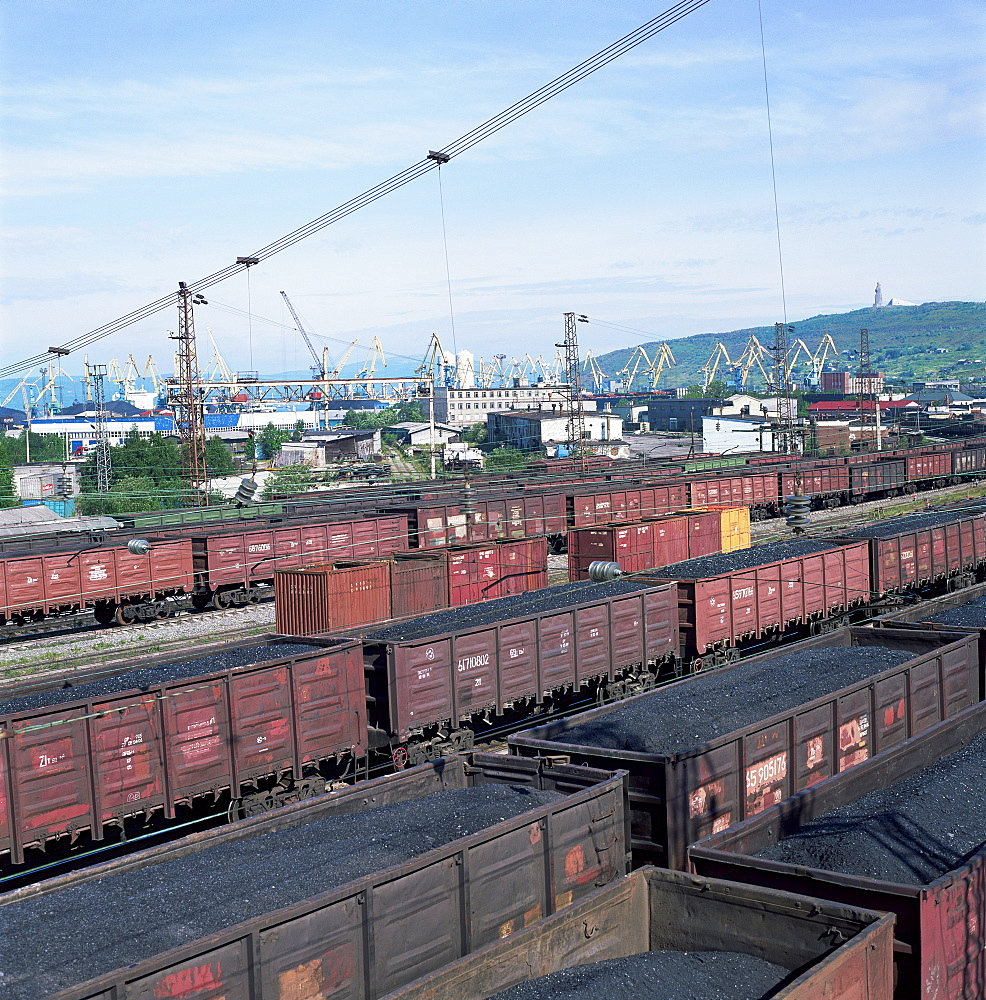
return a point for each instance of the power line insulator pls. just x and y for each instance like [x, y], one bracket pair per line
[797, 510]
[601, 571]
[439, 158]
[246, 491]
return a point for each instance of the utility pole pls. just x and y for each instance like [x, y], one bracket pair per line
[185, 396]
[573, 370]
[96, 374]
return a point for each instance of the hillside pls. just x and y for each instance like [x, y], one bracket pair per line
[904, 343]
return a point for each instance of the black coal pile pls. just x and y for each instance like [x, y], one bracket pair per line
[534, 602]
[900, 525]
[911, 832]
[972, 615]
[682, 716]
[658, 975]
[119, 920]
[730, 562]
[161, 673]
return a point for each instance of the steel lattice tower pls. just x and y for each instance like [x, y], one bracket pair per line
[782, 374]
[573, 376]
[104, 463]
[185, 396]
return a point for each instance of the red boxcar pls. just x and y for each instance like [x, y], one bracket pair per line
[330, 596]
[940, 935]
[719, 612]
[816, 480]
[435, 682]
[759, 489]
[916, 554]
[107, 578]
[87, 764]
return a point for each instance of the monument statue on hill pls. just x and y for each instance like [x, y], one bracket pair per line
[877, 297]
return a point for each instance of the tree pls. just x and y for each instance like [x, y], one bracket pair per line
[288, 479]
[44, 448]
[156, 457]
[218, 458]
[475, 434]
[505, 458]
[370, 420]
[7, 497]
[268, 442]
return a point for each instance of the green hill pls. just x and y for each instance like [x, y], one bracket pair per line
[905, 343]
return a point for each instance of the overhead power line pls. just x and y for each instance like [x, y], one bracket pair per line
[431, 162]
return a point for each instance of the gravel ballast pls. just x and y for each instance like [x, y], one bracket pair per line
[683, 716]
[911, 832]
[657, 975]
[529, 604]
[119, 920]
[162, 673]
[731, 562]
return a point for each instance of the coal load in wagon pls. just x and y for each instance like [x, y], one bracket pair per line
[972, 615]
[740, 559]
[527, 605]
[911, 832]
[901, 525]
[682, 716]
[661, 975]
[121, 919]
[160, 673]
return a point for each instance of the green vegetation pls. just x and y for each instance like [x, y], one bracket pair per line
[905, 342]
[44, 448]
[475, 434]
[505, 458]
[370, 420]
[288, 479]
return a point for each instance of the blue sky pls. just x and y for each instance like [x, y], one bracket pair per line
[146, 143]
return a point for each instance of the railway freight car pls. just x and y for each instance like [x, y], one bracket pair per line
[708, 751]
[429, 679]
[676, 935]
[907, 553]
[902, 834]
[255, 723]
[355, 894]
[122, 583]
[726, 601]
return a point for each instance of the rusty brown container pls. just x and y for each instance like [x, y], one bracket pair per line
[719, 613]
[928, 465]
[523, 565]
[89, 762]
[418, 582]
[553, 645]
[919, 616]
[376, 934]
[679, 798]
[331, 596]
[940, 946]
[835, 952]
[817, 480]
[915, 554]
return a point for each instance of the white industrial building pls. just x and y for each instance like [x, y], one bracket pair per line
[733, 435]
[545, 430]
[467, 406]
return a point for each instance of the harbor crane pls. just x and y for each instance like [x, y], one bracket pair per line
[591, 367]
[321, 363]
[719, 357]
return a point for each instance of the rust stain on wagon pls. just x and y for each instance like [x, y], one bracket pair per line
[188, 982]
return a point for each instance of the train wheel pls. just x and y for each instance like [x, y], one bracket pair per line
[222, 599]
[120, 616]
[103, 613]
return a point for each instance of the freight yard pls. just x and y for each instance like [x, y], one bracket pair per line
[710, 684]
[649, 665]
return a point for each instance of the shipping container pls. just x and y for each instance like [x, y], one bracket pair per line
[677, 798]
[331, 596]
[424, 686]
[940, 933]
[833, 952]
[365, 937]
[734, 528]
[76, 760]
[721, 610]
[909, 552]
[418, 582]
